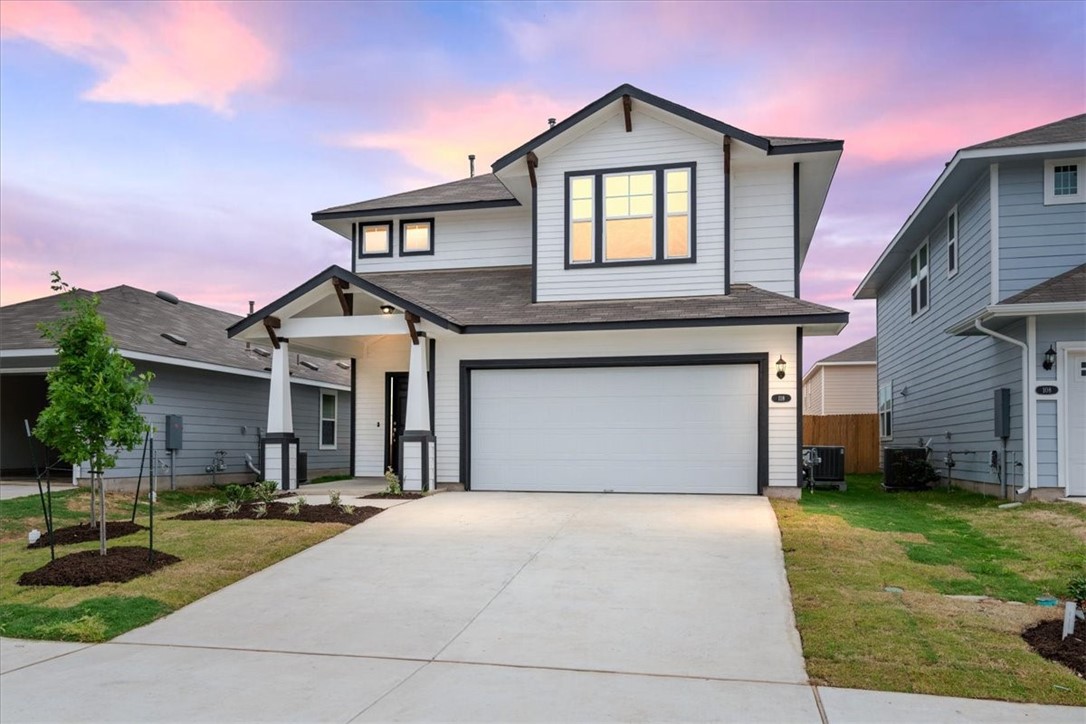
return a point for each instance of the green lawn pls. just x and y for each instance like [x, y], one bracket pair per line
[213, 554]
[842, 549]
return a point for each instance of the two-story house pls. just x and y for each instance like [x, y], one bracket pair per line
[843, 383]
[616, 307]
[981, 301]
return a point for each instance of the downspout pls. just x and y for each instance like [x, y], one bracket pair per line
[1026, 442]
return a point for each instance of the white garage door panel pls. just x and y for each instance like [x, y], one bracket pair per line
[627, 429]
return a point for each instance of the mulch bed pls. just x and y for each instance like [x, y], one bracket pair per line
[1046, 639]
[89, 568]
[83, 532]
[395, 496]
[278, 511]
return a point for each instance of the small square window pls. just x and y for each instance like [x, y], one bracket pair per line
[1062, 182]
[373, 238]
[416, 237]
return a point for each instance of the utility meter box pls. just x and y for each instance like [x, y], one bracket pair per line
[1001, 411]
[175, 428]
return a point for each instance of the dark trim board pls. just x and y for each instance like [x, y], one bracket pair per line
[433, 241]
[354, 415]
[799, 406]
[535, 244]
[795, 226]
[830, 318]
[759, 359]
[426, 209]
[356, 235]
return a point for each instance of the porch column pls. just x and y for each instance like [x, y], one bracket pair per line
[280, 446]
[417, 445]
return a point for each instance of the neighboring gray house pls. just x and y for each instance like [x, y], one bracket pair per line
[844, 383]
[984, 289]
[615, 308]
[218, 385]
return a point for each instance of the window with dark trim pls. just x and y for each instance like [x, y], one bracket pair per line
[952, 242]
[372, 238]
[918, 280]
[886, 411]
[626, 216]
[329, 403]
[416, 237]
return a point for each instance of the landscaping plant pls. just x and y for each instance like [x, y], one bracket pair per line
[266, 491]
[237, 493]
[94, 393]
[393, 481]
[333, 498]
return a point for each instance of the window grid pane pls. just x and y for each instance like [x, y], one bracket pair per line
[1066, 180]
[582, 220]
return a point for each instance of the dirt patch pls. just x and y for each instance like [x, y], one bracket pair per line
[395, 496]
[83, 533]
[279, 511]
[1074, 526]
[89, 568]
[1047, 639]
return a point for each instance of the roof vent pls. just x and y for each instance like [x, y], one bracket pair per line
[471, 165]
[308, 365]
[261, 352]
[343, 365]
[167, 297]
[551, 122]
[175, 338]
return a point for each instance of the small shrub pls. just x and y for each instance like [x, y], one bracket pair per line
[393, 480]
[333, 497]
[295, 508]
[346, 508]
[1076, 589]
[237, 493]
[302, 502]
[232, 507]
[194, 507]
[207, 506]
[266, 491]
[260, 510]
[914, 474]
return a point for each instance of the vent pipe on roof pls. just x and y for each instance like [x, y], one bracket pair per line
[551, 122]
[167, 297]
[252, 305]
[471, 165]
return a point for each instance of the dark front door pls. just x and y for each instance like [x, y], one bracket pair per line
[396, 414]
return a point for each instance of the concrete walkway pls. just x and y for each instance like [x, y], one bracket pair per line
[485, 607]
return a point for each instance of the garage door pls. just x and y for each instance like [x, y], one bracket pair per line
[684, 429]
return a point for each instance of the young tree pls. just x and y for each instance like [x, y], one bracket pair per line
[94, 392]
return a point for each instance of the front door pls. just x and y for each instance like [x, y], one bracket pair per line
[396, 415]
[1075, 405]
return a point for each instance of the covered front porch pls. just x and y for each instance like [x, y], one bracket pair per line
[336, 317]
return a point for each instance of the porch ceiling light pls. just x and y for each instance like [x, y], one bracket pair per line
[781, 365]
[1050, 358]
[387, 309]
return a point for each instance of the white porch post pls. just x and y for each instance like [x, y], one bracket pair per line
[280, 445]
[417, 445]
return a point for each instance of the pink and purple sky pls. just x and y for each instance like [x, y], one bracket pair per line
[183, 146]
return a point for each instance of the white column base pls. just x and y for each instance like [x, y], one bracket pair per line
[281, 459]
[418, 461]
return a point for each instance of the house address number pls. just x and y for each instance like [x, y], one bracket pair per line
[1047, 389]
[781, 398]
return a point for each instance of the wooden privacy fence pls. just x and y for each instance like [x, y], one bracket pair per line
[858, 434]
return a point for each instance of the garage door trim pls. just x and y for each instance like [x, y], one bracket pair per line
[761, 360]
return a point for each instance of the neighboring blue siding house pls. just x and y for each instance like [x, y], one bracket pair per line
[984, 289]
[217, 385]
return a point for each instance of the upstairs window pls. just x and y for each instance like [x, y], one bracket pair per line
[373, 238]
[952, 242]
[416, 237]
[329, 402]
[1063, 181]
[630, 216]
[886, 411]
[918, 280]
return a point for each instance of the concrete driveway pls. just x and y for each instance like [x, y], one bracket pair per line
[468, 607]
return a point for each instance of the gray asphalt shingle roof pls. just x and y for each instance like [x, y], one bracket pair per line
[136, 320]
[1067, 287]
[477, 189]
[862, 352]
[1067, 130]
[502, 296]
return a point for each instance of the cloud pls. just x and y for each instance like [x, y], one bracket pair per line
[153, 54]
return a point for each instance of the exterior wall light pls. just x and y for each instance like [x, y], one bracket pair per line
[781, 364]
[387, 309]
[1050, 358]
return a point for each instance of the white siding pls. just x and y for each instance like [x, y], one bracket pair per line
[652, 142]
[383, 354]
[763, 241]
[451, 349]
[463, 239]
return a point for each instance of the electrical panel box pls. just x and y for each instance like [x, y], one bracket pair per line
[175, 428]
[1001, 411]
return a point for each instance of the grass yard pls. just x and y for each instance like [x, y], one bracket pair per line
[213, 554]
[842, 549]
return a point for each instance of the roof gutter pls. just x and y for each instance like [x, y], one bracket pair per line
[1035, 309]
[1026, 428]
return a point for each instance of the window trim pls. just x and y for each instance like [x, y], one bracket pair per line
[950, 243]
[356, 234]
[427, 252]
[921, 274]
[886, 426]
[321, 419]
[1051, 199]
[659, 216]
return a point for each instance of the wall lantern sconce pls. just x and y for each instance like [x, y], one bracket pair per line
[780, 367]
[1050, 358]
[387, 309]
